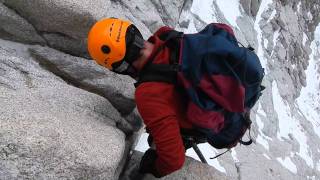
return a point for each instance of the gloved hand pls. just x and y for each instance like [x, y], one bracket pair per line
[147, 163]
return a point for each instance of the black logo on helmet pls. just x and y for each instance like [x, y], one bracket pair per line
[119, 32]
[106, 61]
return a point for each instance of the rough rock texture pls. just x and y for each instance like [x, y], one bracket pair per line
[64, 117]
[51, 130]
[284, 27]
[14, 27]
[87, 75]
[191, 171]
[251, 7]
[64, 24]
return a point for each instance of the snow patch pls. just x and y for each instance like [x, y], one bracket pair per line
[309, 15]
[265, 155]
[261, 138]
[191, 28]
[311, 177]
[317, 33]
[299, 7]
[207, 151]
[283, 112]
[261, 111]
[231, 10]
[265, 43]
[263, 142]
[305, 38]
[273, 14]
[309, 99]
[234, 155]
[142, 145]
[260, 52]
[289, 125]
[275, 37]
[287, 163]
[204, 9]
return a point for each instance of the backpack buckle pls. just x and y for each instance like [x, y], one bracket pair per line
[176, 67]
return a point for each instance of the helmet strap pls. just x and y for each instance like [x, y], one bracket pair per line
[126, 69]
[121, 69]
[134, 49]
[135, 43]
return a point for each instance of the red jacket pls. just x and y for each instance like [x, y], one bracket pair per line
[164, 113]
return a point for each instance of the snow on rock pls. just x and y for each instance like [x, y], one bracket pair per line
[260, 51]
[305, 38]
[273, 14]
[192, 170]
[207, 151]
[309, 100]
[231, 10]
[299, 7]
[261, 138]
[234, 155]
[309, 15]
[204, 9]
[265, 155]
[289, 126]
[287, 163]
[142, 144]
[263, 142]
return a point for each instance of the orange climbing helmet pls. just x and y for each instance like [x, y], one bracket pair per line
[114, 43]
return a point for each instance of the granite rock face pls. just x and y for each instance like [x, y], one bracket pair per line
[87, 75]
[64, 24]
[52, 130]
[14, 27]
[251, 7]
[64, 117]
[191, 170]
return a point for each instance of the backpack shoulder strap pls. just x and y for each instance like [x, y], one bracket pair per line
[163, 72]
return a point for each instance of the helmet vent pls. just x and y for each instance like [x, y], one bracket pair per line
[105, 49]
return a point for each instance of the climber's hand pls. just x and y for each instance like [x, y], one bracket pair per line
[147, 164]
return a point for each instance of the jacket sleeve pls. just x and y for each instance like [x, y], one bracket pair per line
[154, 102]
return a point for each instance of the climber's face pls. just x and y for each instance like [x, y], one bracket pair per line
[145, 53]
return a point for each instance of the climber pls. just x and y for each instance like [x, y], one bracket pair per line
[203, 83]
[119, 46]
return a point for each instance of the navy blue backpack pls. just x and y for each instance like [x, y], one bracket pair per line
[221, 79]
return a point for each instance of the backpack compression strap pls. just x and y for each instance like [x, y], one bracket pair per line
[246, 116]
